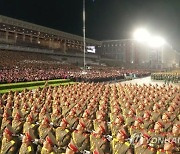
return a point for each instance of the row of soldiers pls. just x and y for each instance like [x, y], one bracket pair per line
[167, 77]
[91, 118]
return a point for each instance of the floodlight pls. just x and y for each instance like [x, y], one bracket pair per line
[156, 42]
[141, 35]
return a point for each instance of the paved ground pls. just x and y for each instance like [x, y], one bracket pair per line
[147, 80]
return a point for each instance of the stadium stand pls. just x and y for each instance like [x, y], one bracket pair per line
[24, 66]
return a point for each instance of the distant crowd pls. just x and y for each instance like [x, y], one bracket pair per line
[20, 67]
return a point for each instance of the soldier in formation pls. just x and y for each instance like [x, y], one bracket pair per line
[88, 117]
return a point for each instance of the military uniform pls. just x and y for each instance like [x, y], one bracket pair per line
[27, 147]
[119, 147]
[17, 124]
[44, 130]
[48, 145]
[11, 145]
[63, 136]
[80, 140]
[98, 142]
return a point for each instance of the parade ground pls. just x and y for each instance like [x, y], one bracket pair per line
[147, 81]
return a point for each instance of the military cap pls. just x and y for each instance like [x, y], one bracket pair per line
[9, 130]
[51, 139]
[82, 124]
[30, 135]
[123, 132]
[72, 147]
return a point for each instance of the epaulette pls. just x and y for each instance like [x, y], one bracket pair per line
[29, 149]
[127, 144]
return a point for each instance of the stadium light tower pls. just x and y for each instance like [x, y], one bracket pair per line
[84, 32]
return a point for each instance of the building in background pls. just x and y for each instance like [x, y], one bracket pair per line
[126, 53]
[130, 53]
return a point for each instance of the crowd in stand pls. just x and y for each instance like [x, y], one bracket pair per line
[21, 66]
[91, 117]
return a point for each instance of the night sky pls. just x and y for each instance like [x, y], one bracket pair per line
[105, 19]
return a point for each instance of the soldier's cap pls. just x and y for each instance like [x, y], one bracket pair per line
[122, 132]
[146, 135]
[82, 124]
[7, 111]
[102, 128]
[30, 135]
[160, 124]
[148, 112]
[167, 115]
[131, 109]
[18, 115]
[9, 130]
[120, 117]
[47, 118]
[171, 107]
[87, 112]
[73, 147]
[51, 139]
[65, 121]
[140, 120]
[73, 111]
[30, 116]
[96, 151]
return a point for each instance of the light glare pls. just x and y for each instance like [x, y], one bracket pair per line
[141, 35]
[156, 42]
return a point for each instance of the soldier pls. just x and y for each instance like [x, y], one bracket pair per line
[168, 148]
[147, 122]
[136, 128]
[86, 119]
[166, 122]
[45, 127]
[25, 110]
[140, 110]
[30, 123]
[80, 139]
[49, 145]
[100, 122]
[56, 117]
[156, 112]
[141, 146]
[9, 142]
[42, 114]
[174, 137]
[6, 120]
[72, 119]
[97, 141]
[130, 118]
[120, 145]
[63, 135]
[118, 124]
[157, 133]
[17, 123]
[27, 146]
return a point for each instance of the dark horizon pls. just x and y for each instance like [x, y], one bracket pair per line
[105, 19]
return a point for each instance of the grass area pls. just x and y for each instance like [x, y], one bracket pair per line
[4, 88]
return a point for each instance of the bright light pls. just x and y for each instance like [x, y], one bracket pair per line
[156, 42]
[141, 35]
